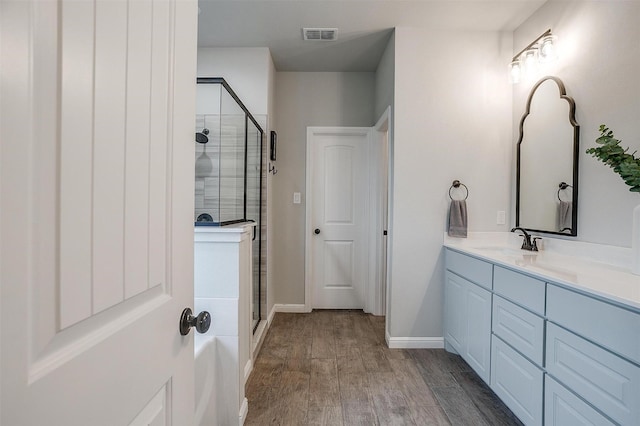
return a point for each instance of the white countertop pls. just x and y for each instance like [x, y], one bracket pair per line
[585, 273]
[228, 233]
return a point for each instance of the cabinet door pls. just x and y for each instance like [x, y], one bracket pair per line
[454, 312]
[478, 334]
[517, 382]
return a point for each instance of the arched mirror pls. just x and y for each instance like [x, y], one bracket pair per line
[547, 164]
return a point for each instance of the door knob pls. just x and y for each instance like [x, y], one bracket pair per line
[202, 322]
[316, 231]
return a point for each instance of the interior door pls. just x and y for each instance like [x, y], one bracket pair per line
[338, 216]
[96, 204]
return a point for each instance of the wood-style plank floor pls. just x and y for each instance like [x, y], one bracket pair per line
[334, 368]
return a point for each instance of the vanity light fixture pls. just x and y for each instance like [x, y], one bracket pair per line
[526, 62]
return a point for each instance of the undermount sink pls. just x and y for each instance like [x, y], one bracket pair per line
[507, 251]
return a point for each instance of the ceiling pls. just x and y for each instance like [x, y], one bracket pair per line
[364, 26]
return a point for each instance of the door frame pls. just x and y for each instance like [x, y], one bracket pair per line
[382, 133]
[373, 291]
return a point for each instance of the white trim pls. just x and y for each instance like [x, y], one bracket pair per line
[271, 315]
[390, 171]
[307, 226]
[244, 410]
[380, 170]
[258, 337]
[415, 342]
[293, 307]
[248, 368]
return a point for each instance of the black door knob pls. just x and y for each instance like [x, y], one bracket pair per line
[316, 231]
[202, 322]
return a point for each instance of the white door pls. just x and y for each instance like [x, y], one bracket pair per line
[337, 216]
[96, 202]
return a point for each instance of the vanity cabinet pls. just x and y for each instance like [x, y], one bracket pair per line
[468, 311]
[517, 374]
[557, 356]
[592, 348]
[563, 408]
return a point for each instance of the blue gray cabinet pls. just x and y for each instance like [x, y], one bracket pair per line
[468, 311]
[517, 381]
[563, 408]
[557, 356]
[517, 343]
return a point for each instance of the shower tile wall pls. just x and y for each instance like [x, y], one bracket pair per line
[226, 152]
[206, 189]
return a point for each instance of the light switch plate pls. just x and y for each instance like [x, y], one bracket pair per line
[501, 217]
[296, 198]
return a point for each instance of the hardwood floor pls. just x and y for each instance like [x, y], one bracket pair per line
[334, 368]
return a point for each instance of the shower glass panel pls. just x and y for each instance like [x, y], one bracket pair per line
[254, 203]
[228, 168]
[233, 148]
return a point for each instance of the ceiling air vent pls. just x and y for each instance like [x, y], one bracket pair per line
[320, 34]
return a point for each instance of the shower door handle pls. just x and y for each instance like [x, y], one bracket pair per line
[253, 238]
[201, 322]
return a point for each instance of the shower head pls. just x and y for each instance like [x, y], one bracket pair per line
[202, 136]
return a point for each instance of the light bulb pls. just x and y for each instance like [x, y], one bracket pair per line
[548, 52]
[531, 62]
[515, 71]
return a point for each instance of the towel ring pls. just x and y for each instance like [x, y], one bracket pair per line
[561, 187]
[456, 184]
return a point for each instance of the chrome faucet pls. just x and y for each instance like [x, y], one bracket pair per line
[527, 244]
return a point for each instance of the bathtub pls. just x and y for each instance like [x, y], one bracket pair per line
[205, 379]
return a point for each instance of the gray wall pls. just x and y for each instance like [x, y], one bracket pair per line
[306, 99]
[385, 78]
[452, 120]
[599, 63]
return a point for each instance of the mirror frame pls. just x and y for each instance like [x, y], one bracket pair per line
[576, 153]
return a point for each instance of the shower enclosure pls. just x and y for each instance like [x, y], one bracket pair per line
[229, 168]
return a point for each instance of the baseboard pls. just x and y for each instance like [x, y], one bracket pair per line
[244, 410]
[258, 337]
[271, 315]
[415, 342]
[298, 308]
[248, 368]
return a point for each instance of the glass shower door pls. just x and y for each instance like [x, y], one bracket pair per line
[254, 209]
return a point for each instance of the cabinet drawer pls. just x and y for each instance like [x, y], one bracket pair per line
[519, 288]
[475, 270]
[608, 382]
[517, 382]
[519, 328]
[563, 408]
[613, 327]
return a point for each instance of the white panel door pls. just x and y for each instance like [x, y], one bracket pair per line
[96, 202]
[338, 203]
